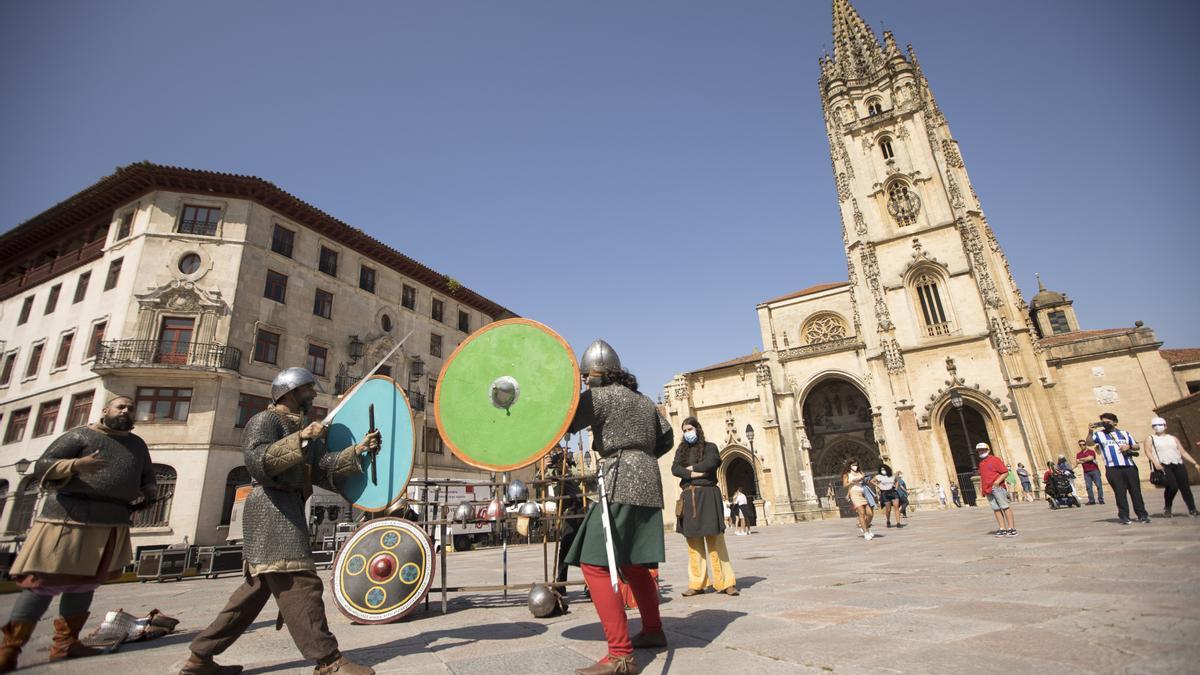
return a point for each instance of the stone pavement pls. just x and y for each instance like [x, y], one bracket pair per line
[1074, 593]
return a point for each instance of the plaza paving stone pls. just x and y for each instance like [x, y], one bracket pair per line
[1074, 593]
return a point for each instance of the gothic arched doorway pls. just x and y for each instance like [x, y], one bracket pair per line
[738, 472]
[965, 427]
[837, 422]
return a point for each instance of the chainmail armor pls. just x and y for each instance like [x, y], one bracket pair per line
[629, 434]
[274, 526]
[103, 497]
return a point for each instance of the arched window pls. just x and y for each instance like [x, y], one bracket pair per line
[24, 504]
[937, 321]
[885, 147]
[824, 328]
[237, 478]
[874, 107]
[158, 514]
[902, 203]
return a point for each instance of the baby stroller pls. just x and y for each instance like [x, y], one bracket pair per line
[1058, 491]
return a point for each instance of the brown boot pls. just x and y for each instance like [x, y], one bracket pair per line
[204, 665]
[16, 634]
[343, 666]
[66, 639]
[612, 665]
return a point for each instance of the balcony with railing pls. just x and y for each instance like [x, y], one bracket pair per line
[121, 354]
[939, 329]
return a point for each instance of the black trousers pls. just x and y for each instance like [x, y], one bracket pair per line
[1126, 485]
[1177, 481]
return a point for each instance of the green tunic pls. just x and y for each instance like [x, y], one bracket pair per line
[637, 537]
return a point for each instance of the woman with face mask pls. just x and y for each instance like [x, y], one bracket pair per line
[700, 510]
[1167, 454]
[852, 478]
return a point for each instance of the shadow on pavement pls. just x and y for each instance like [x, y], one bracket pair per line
[705, 625]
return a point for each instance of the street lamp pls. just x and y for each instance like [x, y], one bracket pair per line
[356, 349]
[956, 400]
[22, 466]
[754, 456]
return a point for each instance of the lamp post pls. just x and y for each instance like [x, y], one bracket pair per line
[356, 349]
[753, 456]
[22, 466]
[956, 400]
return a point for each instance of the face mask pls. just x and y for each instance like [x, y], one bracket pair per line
[1108, 426]
[982, 455]
[1158, 428]
[854, 467]
[689, 436]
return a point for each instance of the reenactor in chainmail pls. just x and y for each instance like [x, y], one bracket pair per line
[629, 434]
[95, 476]
[285, 458]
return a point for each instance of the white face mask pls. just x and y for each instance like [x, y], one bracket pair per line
[1159, 429]
[854, 467]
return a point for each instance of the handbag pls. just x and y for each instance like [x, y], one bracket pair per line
[1158, 478]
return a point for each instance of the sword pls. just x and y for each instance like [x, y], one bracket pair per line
[608, 537]
[371, 415]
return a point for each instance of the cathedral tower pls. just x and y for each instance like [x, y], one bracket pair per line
[927, 275]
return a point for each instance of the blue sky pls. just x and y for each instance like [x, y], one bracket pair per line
[642, 172]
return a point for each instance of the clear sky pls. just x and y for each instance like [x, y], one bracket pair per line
[640, 171]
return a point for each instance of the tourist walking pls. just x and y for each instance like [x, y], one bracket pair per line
[1011, 481]
[956, 495]
[95, 474]
[1086, 459]
[941, 494]
[902, 493]
[629, 434]
[852, 480]
[1166, 453]
[992, 475]
[698, 512]
[1026, 484]
[889, 499]
[740, 516]
[1118, 449]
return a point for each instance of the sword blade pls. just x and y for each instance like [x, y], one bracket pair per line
[608, 537]
[346, 396]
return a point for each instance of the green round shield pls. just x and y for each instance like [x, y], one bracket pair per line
[507, 395]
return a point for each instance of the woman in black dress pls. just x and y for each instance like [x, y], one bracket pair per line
[700, 514]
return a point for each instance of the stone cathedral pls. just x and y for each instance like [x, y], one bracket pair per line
[928, 347]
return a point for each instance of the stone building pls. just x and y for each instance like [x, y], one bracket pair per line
[928, 347]
[188, 290]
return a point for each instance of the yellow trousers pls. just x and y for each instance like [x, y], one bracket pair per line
[717, 557]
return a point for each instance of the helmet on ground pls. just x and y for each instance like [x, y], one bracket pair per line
[544, 601]
[291, 379]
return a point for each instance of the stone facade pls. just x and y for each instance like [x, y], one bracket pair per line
[189, 271]
[929, 346]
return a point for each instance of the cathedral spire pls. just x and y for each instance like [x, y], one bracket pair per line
[856, 50]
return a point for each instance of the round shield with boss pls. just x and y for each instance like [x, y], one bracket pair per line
[507, 395]
[377, 403]
[383, 571]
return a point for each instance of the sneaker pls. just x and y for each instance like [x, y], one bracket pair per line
[1125, 521]
[1012, 533]
[868, 536]
[1101, 501]
[1194, 513]
[889, 524]
[1092, 503]
[1144, 519]
[1000, 533]
[1166, 513]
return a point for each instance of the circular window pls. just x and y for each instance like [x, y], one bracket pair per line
[189, 263]
[385, 322]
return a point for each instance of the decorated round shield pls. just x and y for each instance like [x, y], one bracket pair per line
[378, 487]
[382, 571]
[507, 395]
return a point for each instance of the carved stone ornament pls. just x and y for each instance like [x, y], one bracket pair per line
[731, 432]
[956, 197]
[950, 150]
[1106, 395]
[870, 265]
[951, 367]
[1002, 330]
[843, 187]
[679, 387]
[860, 223]
[762, 374]
[180, 295]
[892, 356]
[824, 328]
[902, 132]
[973, 245]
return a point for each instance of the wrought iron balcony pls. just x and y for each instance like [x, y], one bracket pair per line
[116, 354]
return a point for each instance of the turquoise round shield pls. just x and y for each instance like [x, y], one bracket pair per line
[394, 462]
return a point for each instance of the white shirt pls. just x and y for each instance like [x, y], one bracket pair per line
[741, 500]
[886, 482]
[1167, 449]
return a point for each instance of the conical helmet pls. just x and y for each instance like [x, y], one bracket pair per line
[600, 357]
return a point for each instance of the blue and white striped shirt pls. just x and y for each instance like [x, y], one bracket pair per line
[1109, 443]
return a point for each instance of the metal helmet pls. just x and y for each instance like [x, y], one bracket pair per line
[517, 492]
[465, 513]
[290, 379]
[495, 511]
[600, 357]
[529, 510]
[544, 601]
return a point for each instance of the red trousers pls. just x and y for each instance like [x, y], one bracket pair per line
[610, 607]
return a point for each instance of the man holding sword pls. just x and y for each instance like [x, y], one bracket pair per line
[285, 457]
[624, 532]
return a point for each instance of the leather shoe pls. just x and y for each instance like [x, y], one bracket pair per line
[732, 590]
[612, 665]
[692, 591]
[646, 640]
[204, 665]
[343, 666]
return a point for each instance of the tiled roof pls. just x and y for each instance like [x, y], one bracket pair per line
[1177, 357]
[807, 291]
[132, 181]
[1081, 335]
[739, 361]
